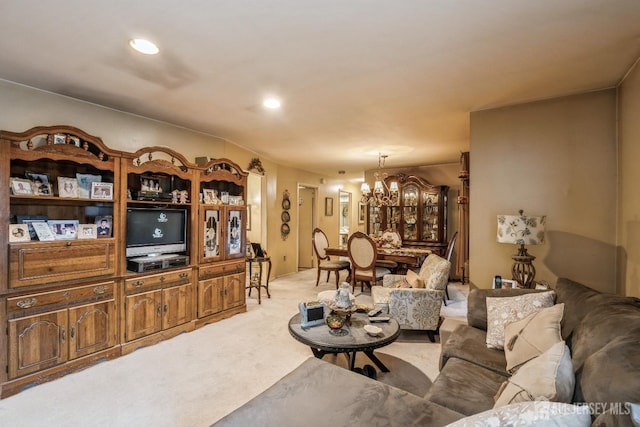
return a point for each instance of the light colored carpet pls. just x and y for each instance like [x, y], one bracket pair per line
[196, 378]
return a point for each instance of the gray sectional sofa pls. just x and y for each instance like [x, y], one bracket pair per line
[601, 330]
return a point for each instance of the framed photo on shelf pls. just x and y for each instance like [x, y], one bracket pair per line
[59, 138]
[328, 206]
[43, 231]
[19, 233]
[28, 219]
[74, 140]
[210, 196]
[67, 187]
[64, 229]
[40, 183]
[102, 190]
[103, 226]
[21, 187]
[87, 231]
[155, 183]
[84, 184]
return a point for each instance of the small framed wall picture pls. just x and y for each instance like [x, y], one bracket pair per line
[87, 231]
[21, 187]
[67, 187]
[328, 206]
[64, 229]
[19, 233]
[361, 212]
[102, 190]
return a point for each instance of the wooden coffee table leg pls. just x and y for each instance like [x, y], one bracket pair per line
[377, 361]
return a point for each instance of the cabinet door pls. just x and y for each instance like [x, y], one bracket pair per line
[210, 296]
[235, 232]
[37, 342]
[92, 328]
[178, 306]
[234, 290]
[211, 244]
[144, 314]
[410, 213]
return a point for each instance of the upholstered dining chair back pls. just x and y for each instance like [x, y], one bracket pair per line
[363, 254]
[325, 263]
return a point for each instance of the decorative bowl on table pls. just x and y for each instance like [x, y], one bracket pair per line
[372, 330]
[343, 312]
[335, 324]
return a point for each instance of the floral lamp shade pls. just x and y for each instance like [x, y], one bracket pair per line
[521, 229]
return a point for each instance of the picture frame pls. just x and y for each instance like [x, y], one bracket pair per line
[154, 183]
[102, 190]
[67, 187]
[210, 196]
[19, 233]
[64, 229]
[87, 231]
[59, 138]
[224, 196]
[328, 206]
[43, 231]
[74, 140]
[362, 211]
[28, 220]
[21, 187]
[84, 184]
[104, 226]
[40, 183]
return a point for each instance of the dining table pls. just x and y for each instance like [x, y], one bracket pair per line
[406, 257]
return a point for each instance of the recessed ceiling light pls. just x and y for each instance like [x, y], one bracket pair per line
[144, 46]
[272, 103]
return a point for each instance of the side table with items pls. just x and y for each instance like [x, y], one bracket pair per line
[255, 280]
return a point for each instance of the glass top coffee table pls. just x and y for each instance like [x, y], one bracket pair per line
[322, 341]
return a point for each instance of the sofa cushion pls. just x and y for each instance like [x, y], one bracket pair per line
[468, 343]
[523, 414]
[477, 303]
[580, 300]
[546, 377]
[530, 337]
[465, 387]
[503, 310]
[612, 373]
[318, 393]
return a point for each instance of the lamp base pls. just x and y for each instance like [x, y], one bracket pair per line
[523, 270]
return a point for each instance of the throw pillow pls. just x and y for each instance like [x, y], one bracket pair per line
[546, 377]
[414, 280]
[530, 414]
[530, 337]
[503, 310]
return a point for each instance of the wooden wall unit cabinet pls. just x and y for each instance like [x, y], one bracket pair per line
[69, 302]
[221, 240]
[420, 216]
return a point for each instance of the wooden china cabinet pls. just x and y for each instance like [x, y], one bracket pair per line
[420, 214]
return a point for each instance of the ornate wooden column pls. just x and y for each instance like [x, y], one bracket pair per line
[462, 263]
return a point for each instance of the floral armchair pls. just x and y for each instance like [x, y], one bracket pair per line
[415, 300]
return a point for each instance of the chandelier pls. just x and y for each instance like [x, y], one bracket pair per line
[382, 195]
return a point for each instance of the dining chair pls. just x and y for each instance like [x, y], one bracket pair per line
[363, 253]
[447, 255]
[325, 263]
[394, 238]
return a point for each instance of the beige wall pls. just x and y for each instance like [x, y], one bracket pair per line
[558, 158]
[629, 207]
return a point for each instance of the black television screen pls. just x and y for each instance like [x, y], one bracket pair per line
[152, 231]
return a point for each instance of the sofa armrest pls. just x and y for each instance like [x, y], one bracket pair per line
[416, 308]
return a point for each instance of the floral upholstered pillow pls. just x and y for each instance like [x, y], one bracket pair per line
[414, 280]
[503, 310]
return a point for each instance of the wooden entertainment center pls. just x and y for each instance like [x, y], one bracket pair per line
[68, 298]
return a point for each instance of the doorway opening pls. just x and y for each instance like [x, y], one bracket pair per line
[345, 216]
[307, 199]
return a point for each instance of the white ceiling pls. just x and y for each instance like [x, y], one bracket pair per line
[356, 77]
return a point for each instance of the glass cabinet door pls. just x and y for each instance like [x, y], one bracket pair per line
[375, 221]
[211, 234]
[410, 212]
[430, 216]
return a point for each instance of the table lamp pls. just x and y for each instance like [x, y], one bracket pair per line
[522, 230]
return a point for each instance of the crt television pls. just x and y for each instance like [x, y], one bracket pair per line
[154, 231]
